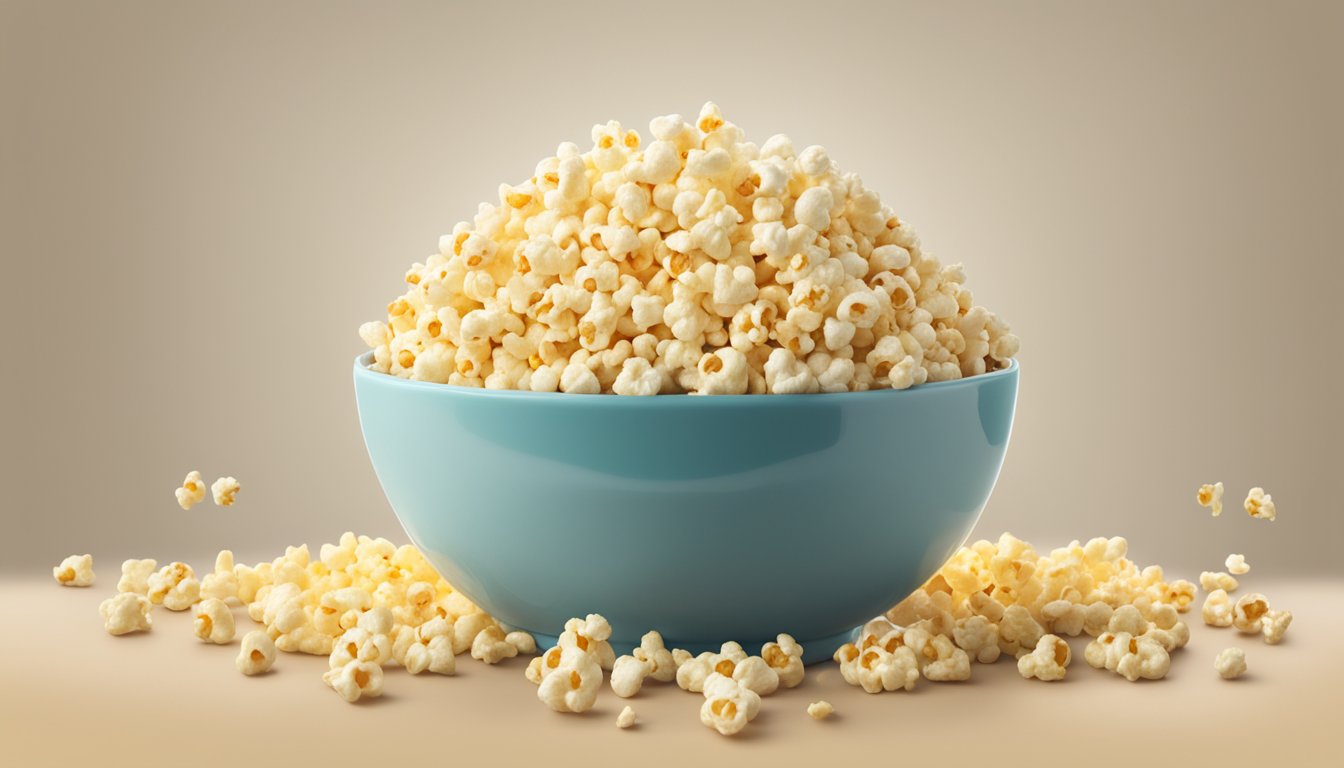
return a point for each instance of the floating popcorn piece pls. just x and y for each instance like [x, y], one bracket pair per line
[74, 571]
[1210, 581]
[820, 710]
[192, 490]
[1260, 504]
[257, 653]
[1237, 564]
[126, 612]
[1230, 663]
[1211, 496]
[225, 491]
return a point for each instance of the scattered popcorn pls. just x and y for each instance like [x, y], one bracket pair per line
[785, 657]
[820, 710]
[1048, 662]
[1211, 496]
[491, 647]
[698, 262]
[571, 686]
[355, 680]
[1260, 504]
[74, 571]
[1209, 581]
[979, 638]
[135, 575]
[174, 587]
[881, 662]
[627, 676]
[1274, 624]
[1217, 611]
[729, 705]
[257, 653]
[214, 622]
[225, 491]
[1230, 663]
[192, 491]
[1237, 564]
[126, 612]
[1249, 612]
[626, 719]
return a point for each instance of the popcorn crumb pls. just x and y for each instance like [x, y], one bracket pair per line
[626, 718]
[1237, 564]
[225, 491]
[192, 490]
[74, 571]
[820, 710]
[1260, 504]
[1211, 496]
[1230, 663]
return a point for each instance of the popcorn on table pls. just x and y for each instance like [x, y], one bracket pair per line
[257, 653]
[696, 262]
[192, 490]
[126, 612]
[1230, 663]
[1048, 662]
[626, 718]
[1211, 496]
[174, 586]
[74, 571]
[214, 621]
[135, 575]
[1260, 504]
[820, 710]
[729, 705]
[225, 490]
[355, 680]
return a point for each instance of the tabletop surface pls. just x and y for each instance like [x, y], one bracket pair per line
[74, 693]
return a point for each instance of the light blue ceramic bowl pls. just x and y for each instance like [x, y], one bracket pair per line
[706, 518]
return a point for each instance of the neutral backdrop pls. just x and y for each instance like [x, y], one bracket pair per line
[201, 202]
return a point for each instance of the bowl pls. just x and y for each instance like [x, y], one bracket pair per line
[707, 518]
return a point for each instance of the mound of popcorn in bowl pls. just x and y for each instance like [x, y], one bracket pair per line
[696, 263]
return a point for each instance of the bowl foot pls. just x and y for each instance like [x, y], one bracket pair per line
[814, 650]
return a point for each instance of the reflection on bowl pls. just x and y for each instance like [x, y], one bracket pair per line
[707, 518]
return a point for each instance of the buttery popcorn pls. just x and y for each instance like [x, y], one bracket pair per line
[1249, 613]
[214, 622]
[729, 705]
[697, 262]
[174, 586]
[355, 680]
[135, 575]
[1210, 581]
[626, 718]
[126, 612]
[192, 491]
[1275, 624]
[572, 685]
[74, 571]
[225, 491]
[1230, 663]
[1049, 661]
[257, 653]
[820, 710]
[1236, 564]
[1211, 496]
[1217, 610]
[1260, 504]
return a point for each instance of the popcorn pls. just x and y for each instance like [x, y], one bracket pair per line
[978, 637]
[1018, 631]
[1230, 663]
[883, 663]
[1133, 658]
[126, 612]
[729, 705]
[1048, 662]
[663, 664]
[1274, 624]
[222, 583]
[1249, 613]
[74, 571]
[522, 642]
[192, 491]
[571, 686]
[1211, 496]
[1260, 504]
[1237, 564]
[135, 575]
[734, 252]
[360, 645]
[1217, 610]
[355, 680]
[627, 675]
[225, 491]
[785, 657]
[1209, 581]
[939, 658]
[490, 646]
[431, 649]
[590, 635]
[174, 587]
[214, 622]
[626, 718]
[257, 653]
[820, 710]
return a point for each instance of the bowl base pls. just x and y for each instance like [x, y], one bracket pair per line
[814, 650]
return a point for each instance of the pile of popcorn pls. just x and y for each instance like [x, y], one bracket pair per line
[700, 263]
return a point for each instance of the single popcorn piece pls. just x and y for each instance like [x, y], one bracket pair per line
[978, 637]
[729, 705]
[1230, 663]
[491, 647]
[1211, 496]
[1217, 611]
[939, 658]
[126, 612]
[820, 710]
[1048, 662]
[214, 622]
[257, 653]
[222, 583]
[174, 587]
[626, 719]
[1236, 564]
[1210, 581]
[1275, 624]
[785, 657]
[430, 649]
[1260, 504]
[1249, 613]
[192, 491]
[355, 680]
[572, 685]
[663, 662]
[74, 571]
[522, 642]
[225, 491]
[591, 635]
[627, 675]
[358, 644]
[692, 674]
[135, 575]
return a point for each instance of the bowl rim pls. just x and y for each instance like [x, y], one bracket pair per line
[363, 360]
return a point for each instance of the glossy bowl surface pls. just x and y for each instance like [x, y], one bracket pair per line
[707, 518]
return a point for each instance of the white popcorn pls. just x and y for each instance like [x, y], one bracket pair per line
[1217, 610]
[135, 575]
[174, 587]
[126, 612]
[978, 637]
[1048, 662]
[572, 685]
[626, 718]
[222, 583]
[1211, 496]
[1133, 658]
[692, 674]
[590, 635]
[490, 646]
[360, 645]
[1018, 631]
[225, 491]
[257, 653]
[214, 622]
[756, 675]
[1209, 581]
[627, 675]
[729, 705]
[1237, 564]
[939, 658]
[522, 642]
[355, 680]
[820, 710]
[1274, 624]
[192, 491]
[785, 657]
[431, 649]
[663, 663]
[74, 571]
[1249, 612]
[1260, 504]
[1230, 663]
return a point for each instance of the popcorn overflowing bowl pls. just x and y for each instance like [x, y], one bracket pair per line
[732, 517]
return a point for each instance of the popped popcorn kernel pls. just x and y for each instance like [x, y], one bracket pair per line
[74, 571]
[355, 680]
[126, 612]
[257, 653]
[1048, 662]
[1209, 581]
[174, 586]
[191, 492]
[1275, 624]
[626, 719]
[490, 646]
[1230, 663]
[785, 657]
[729, 705]
[1211, 496]
[820, 710]
[135, 575]
[225, 490]
[572, 685]
[1249, 613]
[1260, 505]
[214, 622]
[1237, 564]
